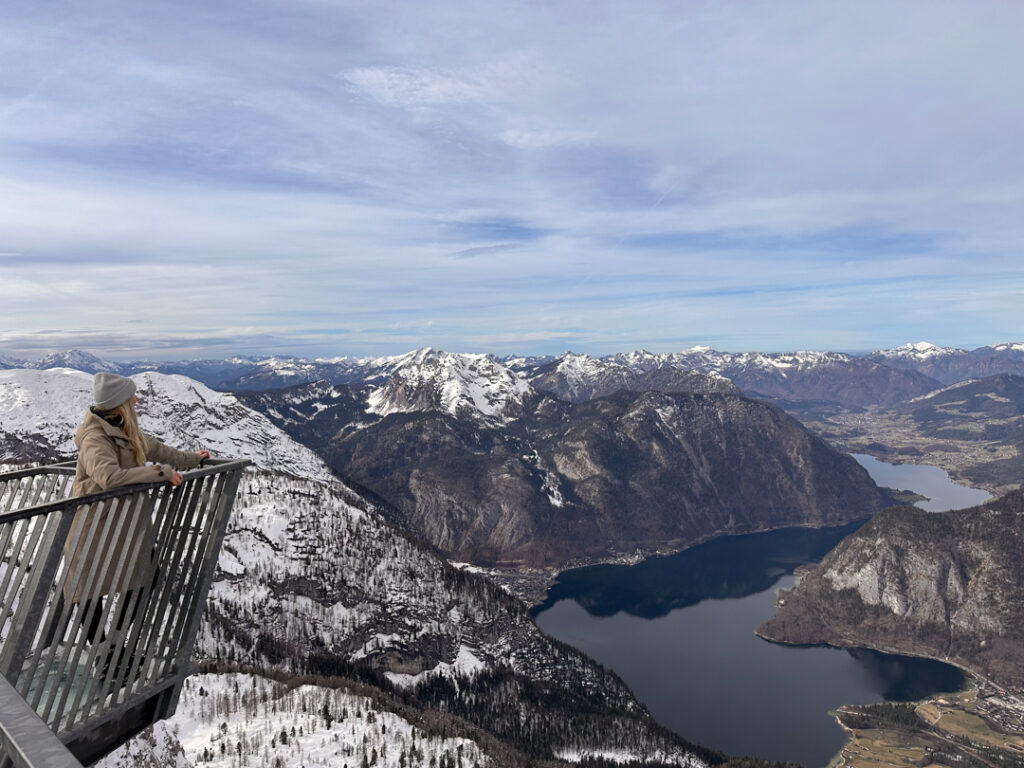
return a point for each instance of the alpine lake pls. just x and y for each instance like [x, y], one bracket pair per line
[679, 630]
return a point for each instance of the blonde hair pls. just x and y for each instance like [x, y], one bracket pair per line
[130, 427]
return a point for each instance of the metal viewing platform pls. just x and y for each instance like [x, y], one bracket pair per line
[101, 597]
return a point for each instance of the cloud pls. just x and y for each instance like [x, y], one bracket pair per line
[400, 87]
[486, 250]
[659, 171]
[545, 138]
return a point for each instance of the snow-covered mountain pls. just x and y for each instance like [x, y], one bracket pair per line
[74, 358]
[918, 350]
[949, 365]
[483, 385]
[12, 362]
[40, 411]
[476, 386]
[312, 581]
[1008, 348]
[79, 360]
[578, 378]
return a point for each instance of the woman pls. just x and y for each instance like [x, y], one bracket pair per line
[113, 451]
[111, 544]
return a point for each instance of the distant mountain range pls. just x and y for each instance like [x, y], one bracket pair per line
[796, 375]
[949, 365]
[543, 462]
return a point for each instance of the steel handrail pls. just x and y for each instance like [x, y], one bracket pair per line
[210, 467]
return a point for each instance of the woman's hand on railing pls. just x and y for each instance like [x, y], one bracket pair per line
[176, 478]
[203, 455]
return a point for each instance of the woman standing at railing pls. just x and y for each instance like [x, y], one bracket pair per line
[114, 452]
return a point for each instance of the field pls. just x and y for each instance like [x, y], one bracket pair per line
[944, 731]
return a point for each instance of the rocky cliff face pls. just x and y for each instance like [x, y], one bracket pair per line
[948, 586]
[632, 470]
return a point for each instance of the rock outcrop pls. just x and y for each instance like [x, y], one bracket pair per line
[948, 586]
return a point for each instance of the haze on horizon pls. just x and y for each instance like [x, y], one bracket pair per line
[324, 178]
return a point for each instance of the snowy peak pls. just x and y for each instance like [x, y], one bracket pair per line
[918, 350]
[783, 361]
[1010, 347]
[40, 410]
[473, 385]
[77, 359]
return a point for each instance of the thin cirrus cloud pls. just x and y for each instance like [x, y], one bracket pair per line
[600, 176]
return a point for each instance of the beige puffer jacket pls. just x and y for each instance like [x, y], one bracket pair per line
[106, 460]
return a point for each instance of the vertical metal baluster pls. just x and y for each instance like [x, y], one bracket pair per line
[211, 539]
[11, 491]
[13, 653]
[5, 489]
[135, 604]
[199, 528]
[64, 713]
[6, 531]
[180, 555]
[58, 524]
[165, 587]
[10, 529]
[120, 575]
[15, 494]
[73, 614]
[44, 486]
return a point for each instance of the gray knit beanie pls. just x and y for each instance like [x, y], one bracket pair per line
[110, 390]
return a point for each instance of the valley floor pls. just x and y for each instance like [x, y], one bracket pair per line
[993, 465]
[976, 728]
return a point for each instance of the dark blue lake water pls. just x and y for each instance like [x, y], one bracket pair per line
[680, 631]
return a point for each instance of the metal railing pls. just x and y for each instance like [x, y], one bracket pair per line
[101, 597]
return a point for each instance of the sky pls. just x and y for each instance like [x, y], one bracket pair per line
[321, 177]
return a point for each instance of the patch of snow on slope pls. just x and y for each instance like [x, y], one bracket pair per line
[465, 664]
[935, 392]
[625, 756]
[223, 721]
